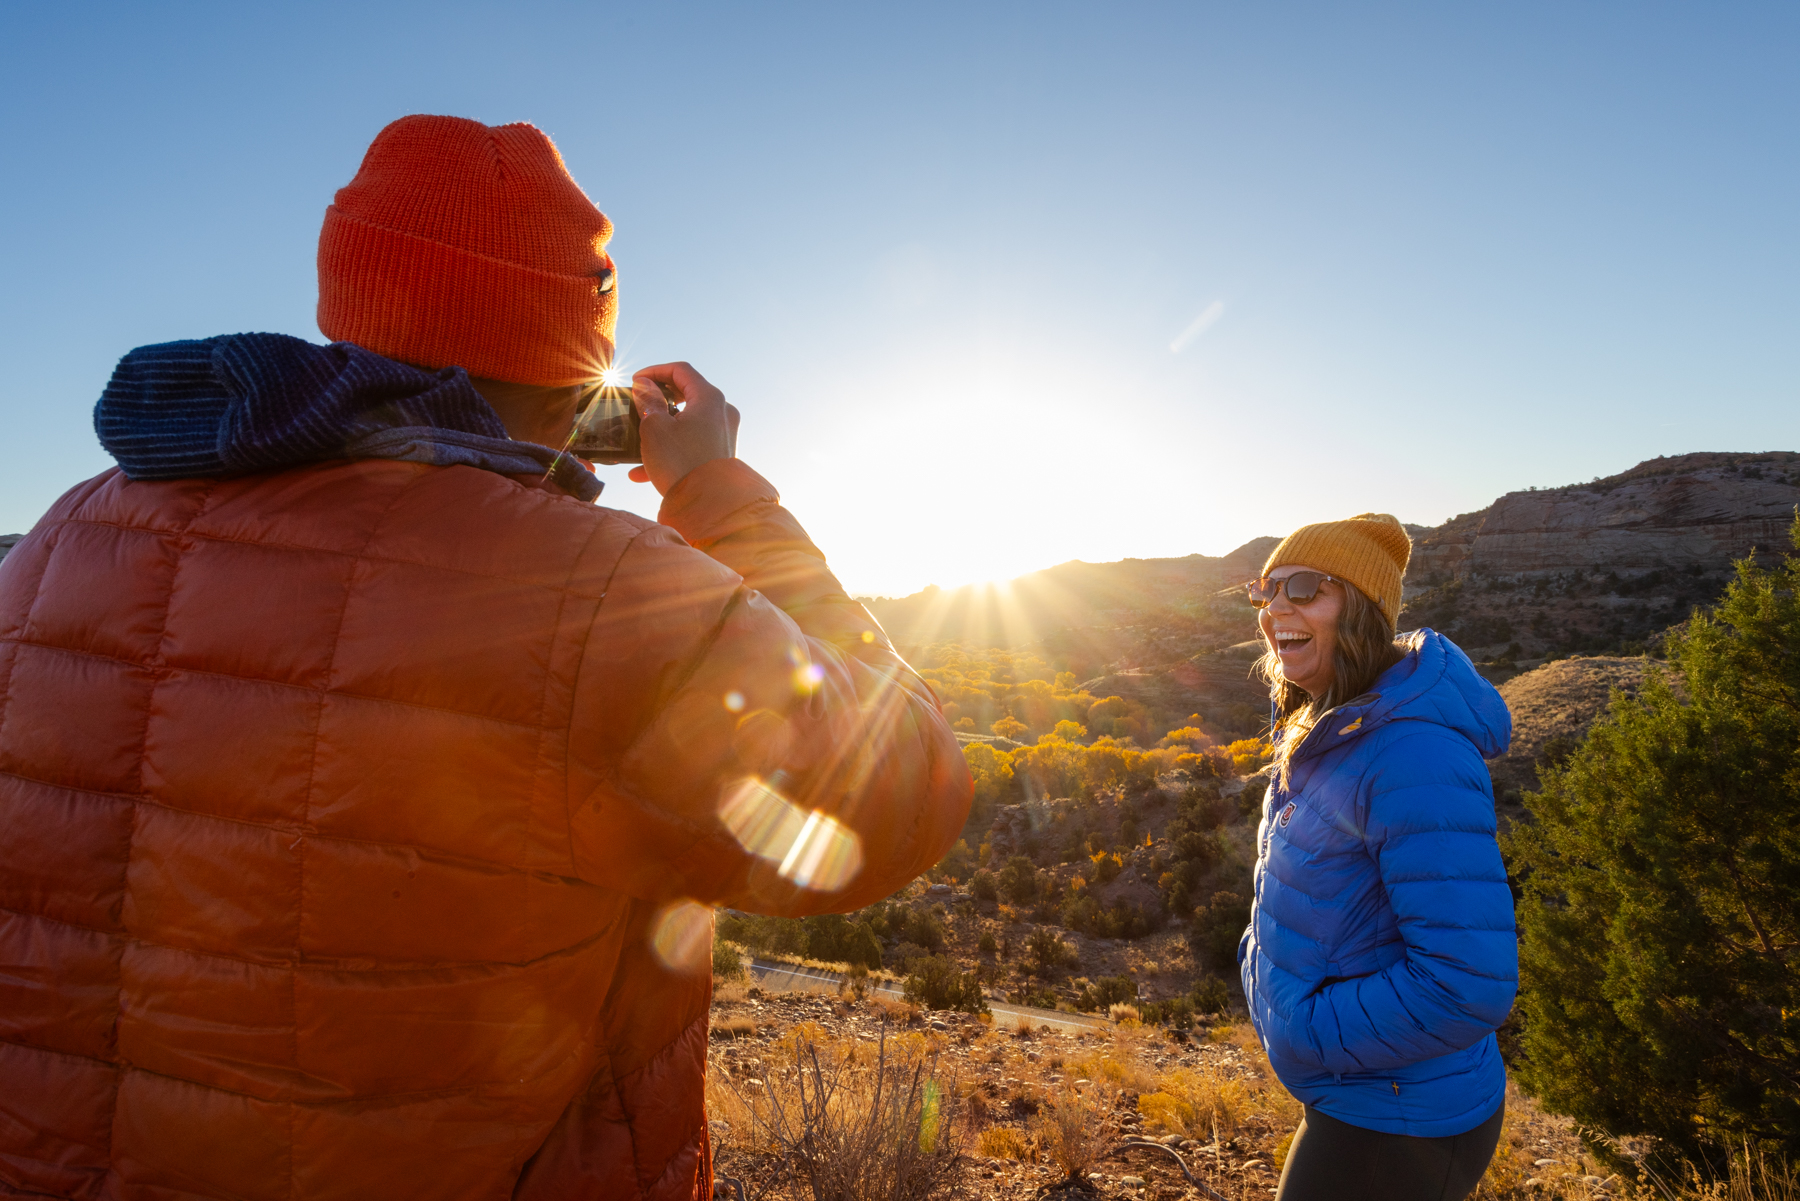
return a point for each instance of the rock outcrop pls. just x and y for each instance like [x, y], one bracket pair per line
[1675, 513]
[1602, 567]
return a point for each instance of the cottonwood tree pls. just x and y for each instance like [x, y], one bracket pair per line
[1660, 919]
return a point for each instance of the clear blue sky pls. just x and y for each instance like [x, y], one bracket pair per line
[996, 286]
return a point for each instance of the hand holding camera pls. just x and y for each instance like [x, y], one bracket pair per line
[670, 421]
[683, 422]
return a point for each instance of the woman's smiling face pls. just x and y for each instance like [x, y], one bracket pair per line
[1304, 636]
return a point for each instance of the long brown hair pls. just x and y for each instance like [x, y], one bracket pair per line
[1366, 647]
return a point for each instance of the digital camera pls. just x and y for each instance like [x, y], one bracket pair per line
[606, 426]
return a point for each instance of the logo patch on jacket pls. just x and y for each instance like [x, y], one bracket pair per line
[1352, 727]
[1287, 814]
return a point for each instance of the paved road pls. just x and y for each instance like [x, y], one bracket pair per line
[788, 977]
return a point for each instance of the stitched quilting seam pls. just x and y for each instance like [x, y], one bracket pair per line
[546, 770]
[444, 855]
[225, 675]
[274, 544]
[36, 591]
[143, 747]
[323, 1103]
[312, 775]
[575, 691]
[321, 966]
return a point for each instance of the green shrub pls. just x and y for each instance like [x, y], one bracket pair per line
[862, 949]
[987, 943]
[1085, 914]
[935, 983]
[1216, 928]
[922, 926]
[727, 964]
[984, 886]
[957, 863]
[1250, 801]
[1105, 867]
[1177, 1012]
[1019, 880]
[1212, 994]
[767, 935]
[905, 955]
[1106, 992]
[1042, 998]
[1661, 879]
[1196, 848]
[1048, 952]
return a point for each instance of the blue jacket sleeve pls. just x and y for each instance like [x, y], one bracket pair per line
[1430, 828]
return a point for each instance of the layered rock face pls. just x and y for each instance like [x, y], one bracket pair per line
[1601, 567]
[1699, 509]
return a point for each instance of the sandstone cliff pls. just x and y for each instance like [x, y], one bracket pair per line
[1601, 567]
[1698, 509]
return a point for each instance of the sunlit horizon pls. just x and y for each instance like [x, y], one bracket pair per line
[979, 322]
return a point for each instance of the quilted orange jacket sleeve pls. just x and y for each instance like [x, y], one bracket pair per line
[743, 732]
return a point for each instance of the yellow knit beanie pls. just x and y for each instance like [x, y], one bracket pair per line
[1369, 550]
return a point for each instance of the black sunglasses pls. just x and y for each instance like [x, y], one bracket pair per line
[1302, 587]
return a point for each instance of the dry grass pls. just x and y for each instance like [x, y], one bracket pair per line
[901, 1013]
[1001, 1142]
[823, 965]
[1124, 1073]
[734, 1028]
[1557, 700]
[1196, 1104]
[1751, 1176]
[1069, 1131]
[1213, 1100]
[852, 1123]
[1542, 1158]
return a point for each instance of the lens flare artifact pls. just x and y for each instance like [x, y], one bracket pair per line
[812, 849]
[681, 936]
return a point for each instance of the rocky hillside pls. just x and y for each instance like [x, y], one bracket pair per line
[1601, 568]
[1090, 616]
[1604, 566]
[1704, 509]
[1552, 708]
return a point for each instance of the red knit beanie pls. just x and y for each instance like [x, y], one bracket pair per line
[463, 244]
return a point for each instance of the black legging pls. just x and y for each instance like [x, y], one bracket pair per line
[1335, 1161]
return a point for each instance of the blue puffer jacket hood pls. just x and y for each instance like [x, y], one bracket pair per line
[1381, 954]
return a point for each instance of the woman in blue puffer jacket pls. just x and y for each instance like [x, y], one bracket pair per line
[1381, 955]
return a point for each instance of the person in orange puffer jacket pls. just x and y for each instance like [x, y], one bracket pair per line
[365, 789]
